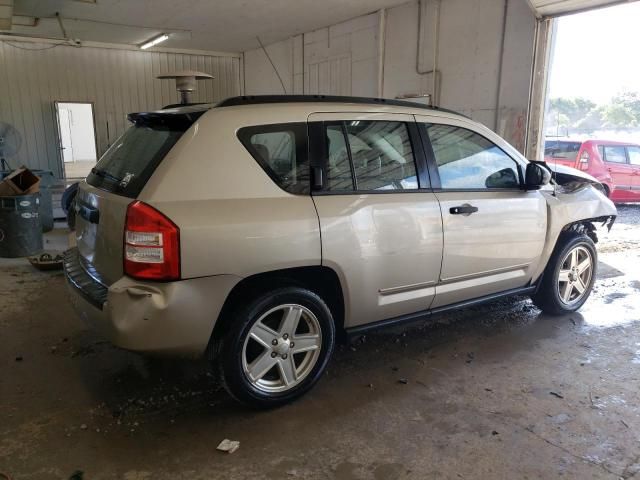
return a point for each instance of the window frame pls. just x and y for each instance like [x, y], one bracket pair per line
[320, 157]
[301, 138]
[433, 164]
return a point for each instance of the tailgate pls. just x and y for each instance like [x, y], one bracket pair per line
[117, 180]
[99, 231]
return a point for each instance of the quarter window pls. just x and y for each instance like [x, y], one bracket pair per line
[467, 160]
[281, 151]
[634, 155]
[614, 154]
[370, 156]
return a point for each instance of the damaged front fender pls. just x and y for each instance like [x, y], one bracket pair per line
[574, 200]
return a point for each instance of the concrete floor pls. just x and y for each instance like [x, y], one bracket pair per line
[498, 391]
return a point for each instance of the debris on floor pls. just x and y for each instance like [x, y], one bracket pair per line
[228, 446]
[47, 261]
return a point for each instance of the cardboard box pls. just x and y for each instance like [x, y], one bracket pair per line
[20, 182]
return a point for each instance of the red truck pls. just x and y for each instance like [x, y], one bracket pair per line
[615, 164]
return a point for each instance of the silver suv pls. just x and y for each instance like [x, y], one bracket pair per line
[256, 230]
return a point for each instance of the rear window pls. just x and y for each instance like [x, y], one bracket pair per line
[561, 149]
[129, 163]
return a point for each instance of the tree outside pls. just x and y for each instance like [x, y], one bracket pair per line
[580, 116]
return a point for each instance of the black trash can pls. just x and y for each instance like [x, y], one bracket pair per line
[47, 180]
[20, 228]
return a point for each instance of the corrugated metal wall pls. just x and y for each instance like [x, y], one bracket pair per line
[35, 75]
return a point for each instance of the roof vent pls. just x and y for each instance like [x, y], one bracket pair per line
[185, 82]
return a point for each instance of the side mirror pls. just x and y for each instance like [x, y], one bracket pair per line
[536, 176]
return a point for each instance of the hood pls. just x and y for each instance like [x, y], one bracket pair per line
[563, 174]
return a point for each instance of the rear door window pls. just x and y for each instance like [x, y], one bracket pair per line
[339, 169]
[129, 163]
[634, 155]
[615, 154]
[281, 150]
[370, 156]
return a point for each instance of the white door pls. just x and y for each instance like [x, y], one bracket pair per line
[66, 143]
[494, 231]
[77, 137]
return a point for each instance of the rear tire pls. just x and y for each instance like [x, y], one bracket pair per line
[569, 276]
[277, 347]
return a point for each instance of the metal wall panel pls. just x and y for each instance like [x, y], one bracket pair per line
[34, 75]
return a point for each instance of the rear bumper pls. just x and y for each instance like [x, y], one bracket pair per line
[174, 318]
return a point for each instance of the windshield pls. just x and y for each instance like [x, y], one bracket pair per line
[128, 164]
[561, 149]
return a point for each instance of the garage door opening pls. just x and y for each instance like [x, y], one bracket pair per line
[592, 110]
[77, 139]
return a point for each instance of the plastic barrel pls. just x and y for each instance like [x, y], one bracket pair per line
[20, 228]
[47, 180]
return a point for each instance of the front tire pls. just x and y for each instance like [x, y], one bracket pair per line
[277, 347]
[568, 279]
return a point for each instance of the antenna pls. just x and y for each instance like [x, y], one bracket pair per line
[185, 82]
[272, 64]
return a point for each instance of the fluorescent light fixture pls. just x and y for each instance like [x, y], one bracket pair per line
[154, 41]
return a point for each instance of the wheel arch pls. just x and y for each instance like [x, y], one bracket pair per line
[585, 226]
[322, 280]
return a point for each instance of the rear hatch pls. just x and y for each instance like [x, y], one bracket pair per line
[116, 180]
[563, 152]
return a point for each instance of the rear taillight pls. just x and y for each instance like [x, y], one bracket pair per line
[151, 244]
[583, 161]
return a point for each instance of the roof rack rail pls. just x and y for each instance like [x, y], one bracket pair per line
[263, 99]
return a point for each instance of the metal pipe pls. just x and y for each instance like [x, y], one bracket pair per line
[272, 64]
[532, 75]
[382, 37]
[436, 48]
[64, 32]
[496, 115]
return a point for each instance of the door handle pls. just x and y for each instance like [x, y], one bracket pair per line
[465, 209]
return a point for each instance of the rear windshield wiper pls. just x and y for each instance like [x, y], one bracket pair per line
[105, 174]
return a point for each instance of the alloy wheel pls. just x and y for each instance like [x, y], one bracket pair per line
[575, 275]
[281, 348]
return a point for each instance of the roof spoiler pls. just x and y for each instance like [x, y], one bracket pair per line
[169, 119]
